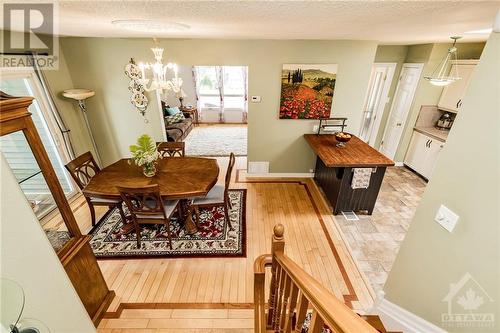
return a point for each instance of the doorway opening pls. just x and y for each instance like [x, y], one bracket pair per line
[216, 100]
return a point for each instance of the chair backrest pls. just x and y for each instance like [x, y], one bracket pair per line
[82, 169]
[144, 201]
[171, 149]
[230, 167]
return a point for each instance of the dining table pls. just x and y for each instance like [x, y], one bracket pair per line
[181, 178]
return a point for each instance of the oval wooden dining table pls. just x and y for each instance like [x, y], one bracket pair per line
[178, 177]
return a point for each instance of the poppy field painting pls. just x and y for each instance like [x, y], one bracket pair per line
[307, 91]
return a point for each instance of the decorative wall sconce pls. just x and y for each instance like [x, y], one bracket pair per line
[138, 99]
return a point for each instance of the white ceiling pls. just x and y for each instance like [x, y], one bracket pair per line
[391, 22]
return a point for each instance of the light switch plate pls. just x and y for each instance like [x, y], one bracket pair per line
[256, 99]
[446, 218]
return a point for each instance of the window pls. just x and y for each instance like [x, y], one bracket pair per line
[15, 148]
[222, 93]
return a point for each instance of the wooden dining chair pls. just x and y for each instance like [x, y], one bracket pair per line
[82, 169]
[217, 196]
[147, 207]
[171, 149]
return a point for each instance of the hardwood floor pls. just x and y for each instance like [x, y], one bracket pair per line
[150, 287]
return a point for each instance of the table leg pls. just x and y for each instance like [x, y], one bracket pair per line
[186, 211]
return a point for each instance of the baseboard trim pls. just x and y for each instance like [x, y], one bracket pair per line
[280, 175]
[399, 164]
[396, 318]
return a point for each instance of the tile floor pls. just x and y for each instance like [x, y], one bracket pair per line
[375, 239]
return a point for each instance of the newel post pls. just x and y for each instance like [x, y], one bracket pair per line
[277, 246]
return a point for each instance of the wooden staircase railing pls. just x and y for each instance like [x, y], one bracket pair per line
[293, 292]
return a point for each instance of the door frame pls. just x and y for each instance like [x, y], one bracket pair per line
[420, 67]
[379, 109]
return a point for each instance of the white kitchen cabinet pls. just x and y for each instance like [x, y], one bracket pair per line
[435, 147]
[452, 95]
[415, 156]
[423, 153]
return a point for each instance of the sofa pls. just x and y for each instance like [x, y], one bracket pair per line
[178, 131]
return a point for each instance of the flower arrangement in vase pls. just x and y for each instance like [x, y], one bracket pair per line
[145, 154]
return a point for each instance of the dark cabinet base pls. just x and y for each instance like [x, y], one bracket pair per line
[336, 184]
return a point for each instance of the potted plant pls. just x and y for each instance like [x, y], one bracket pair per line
[145, 154]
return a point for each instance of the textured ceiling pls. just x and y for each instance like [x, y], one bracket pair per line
[385, 21]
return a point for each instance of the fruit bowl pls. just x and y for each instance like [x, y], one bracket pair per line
[342, 138]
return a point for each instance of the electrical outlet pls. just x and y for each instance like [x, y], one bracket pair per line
[311, 170]
[446, 218]
[315, 128]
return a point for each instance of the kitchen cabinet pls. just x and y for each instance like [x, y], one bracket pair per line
[423, 153]
[452, 95]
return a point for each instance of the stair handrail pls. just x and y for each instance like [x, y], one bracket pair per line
[293, 290]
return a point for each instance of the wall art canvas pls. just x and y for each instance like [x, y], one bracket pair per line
[307, 90]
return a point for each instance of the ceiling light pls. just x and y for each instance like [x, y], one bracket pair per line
[480, 31]
[150, 26]
[438, 76]
[159, 81]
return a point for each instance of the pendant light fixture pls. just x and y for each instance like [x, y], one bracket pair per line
[159, 70]
[438, 76]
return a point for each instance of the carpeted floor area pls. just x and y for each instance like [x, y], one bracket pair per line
[213, 239]
[217, 140]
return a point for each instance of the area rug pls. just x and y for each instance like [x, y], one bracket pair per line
[216, 140]
[213, 239]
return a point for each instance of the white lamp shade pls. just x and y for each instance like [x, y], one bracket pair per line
[78, 94]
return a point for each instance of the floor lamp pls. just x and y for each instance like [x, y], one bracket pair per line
[80, 95]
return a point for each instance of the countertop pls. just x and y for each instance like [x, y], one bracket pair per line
[433, 132]
[357, 153]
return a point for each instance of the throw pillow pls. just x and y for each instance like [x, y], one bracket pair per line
[172, 111]
[176, 118]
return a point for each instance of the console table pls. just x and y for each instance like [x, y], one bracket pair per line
[334, 171]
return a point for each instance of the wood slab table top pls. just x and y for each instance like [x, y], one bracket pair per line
[356, 153]
[178, 177]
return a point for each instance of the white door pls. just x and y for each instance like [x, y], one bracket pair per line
[376, 99]
[403, 98]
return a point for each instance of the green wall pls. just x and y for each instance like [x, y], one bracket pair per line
[466, 180]
[58, 81]
[98, 63]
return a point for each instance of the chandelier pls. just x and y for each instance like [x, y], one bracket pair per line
[438, 76]
[159, 70]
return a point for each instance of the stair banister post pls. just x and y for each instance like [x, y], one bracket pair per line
[278, 239]
[277, 246]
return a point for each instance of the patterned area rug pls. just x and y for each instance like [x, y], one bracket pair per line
[213, 239]
[217, 141]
